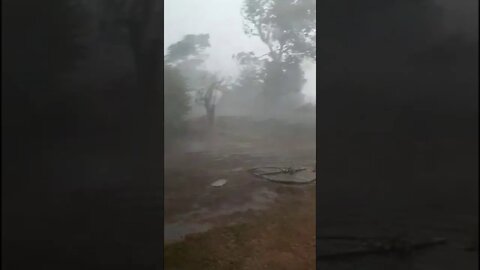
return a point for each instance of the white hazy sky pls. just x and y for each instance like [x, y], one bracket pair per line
[223, 21]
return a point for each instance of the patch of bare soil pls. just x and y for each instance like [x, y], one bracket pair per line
[248, 223]
[281, 238]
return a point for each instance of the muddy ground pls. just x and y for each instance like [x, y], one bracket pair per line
[249, 223]
[83, 203]
[368, 184]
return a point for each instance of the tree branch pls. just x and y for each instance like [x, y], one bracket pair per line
[264, 39]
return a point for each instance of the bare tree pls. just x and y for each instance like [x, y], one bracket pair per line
[208, 97]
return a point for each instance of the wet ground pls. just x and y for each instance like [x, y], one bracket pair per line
[371, 185]
[195, 208]
[102, 216]
[190, 198]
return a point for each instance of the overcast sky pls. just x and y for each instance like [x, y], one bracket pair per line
[223, 21]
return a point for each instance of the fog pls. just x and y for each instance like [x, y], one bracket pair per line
[223, 21]
[248, 70]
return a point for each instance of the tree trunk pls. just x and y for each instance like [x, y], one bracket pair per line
[211, 117]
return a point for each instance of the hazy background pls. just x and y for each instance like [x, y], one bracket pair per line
[223, 21]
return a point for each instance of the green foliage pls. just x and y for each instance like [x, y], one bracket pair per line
[176, 102]
[283, 78]
[188, 57]
[251, 66]
[190, 45]
[288, 28]
[248, 80]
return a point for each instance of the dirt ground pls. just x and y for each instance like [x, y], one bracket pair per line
[102, 216]
[374, 184]
[249, 223]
